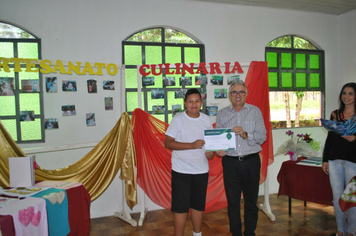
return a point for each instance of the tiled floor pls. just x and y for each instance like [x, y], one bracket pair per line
[313, 220]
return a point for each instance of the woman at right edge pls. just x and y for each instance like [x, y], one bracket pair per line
[339, 160]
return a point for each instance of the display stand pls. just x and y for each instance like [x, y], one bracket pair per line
[124, 214]
[265, 207]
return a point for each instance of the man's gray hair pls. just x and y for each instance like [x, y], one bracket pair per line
[237, 82]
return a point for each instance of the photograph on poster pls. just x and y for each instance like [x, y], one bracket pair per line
[51, 123]
[68, 110]
[158, 109]
[27, 115]
[231, 78]
[201, 80]
[217, 80]
[180, 93]
[169, 81]
[92, 87]
[7, 86]
[108, 85]
[69, 86]
[51, 84]
[203, 93]
[157, 93]
[185, 81]
[109, 103]
[90, 119]
[176, 108]
[211, 110]
[220, 93]
[148, 81]
[30, 85]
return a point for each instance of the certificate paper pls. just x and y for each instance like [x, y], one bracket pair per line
[219, 139]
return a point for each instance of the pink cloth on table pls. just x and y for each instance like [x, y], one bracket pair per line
[58, 184]
[29, 216]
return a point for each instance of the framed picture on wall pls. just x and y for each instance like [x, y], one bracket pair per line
[201, 80]
[180, 93]
[220, 93]
[7, 86]
[69, 86]
[68, 110]
[211, 110]
[51, 123]
[157, 93]
[27, 115]
[217, 80]
[232, 78]
[90, 119]
[169, 81]
[30, 85]
[158, 109]
[51, 84]
[92, 87]
[148, 81]
[109, 103]
[108, 85]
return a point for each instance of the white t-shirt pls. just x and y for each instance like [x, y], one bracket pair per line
[187, 130]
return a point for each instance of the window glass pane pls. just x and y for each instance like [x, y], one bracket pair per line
[191, 55]
[287, 81]
[131, 78]
[10, 31]
[314, 61]
[300, 61]
[281, 42]
[174, 36]
[10, 126]
[7, 106]
[31, 130]
[6, 49]
[300, 43]
[30, 102]
[133, 55]
[315, 80]
[301, 80]
[132, 101]
[150, 35]
[273, 79]
[272, 59]
[28, 50]
[286, 60]
[153, 54]
[173, 55]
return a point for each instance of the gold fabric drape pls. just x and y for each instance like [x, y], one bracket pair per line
[95, 170]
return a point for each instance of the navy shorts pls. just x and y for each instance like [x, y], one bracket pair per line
[188, 191]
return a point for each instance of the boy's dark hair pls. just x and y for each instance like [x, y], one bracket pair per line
[191, 91]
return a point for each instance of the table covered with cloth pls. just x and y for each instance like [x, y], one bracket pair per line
[75, 203]
[302, 182]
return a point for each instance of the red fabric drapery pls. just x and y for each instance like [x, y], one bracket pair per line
[154, 160]
[258, 95]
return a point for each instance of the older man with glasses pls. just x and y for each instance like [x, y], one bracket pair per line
[241, 167]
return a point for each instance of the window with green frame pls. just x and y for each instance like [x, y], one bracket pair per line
[295, 70]
[21, 110]
[158, 46]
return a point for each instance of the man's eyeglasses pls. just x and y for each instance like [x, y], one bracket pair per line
[234, 93]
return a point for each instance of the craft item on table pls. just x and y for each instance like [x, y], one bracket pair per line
[4, 201]
[57, 211]
[301, 145]
[343, 128]
[348, 197]
[22, 192]
[22, 171]
[29, 216]
[58, 184]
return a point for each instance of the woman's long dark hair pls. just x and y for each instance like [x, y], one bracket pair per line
[342, 104]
